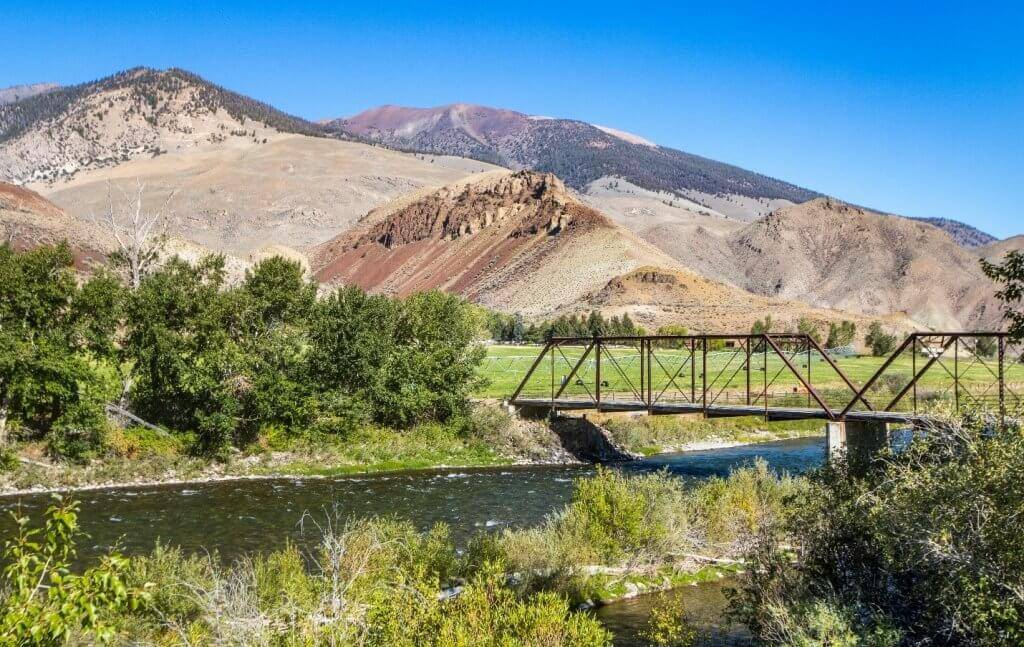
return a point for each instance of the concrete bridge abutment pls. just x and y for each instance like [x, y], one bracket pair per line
[858, 440]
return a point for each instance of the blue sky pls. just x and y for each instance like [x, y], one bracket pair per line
[916, 109]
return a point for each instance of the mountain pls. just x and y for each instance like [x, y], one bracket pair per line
[834, 255]
[522, 242]
[577, 152]
[635, 181]
[239, 174]
[19, 92]
[136, 113]
[965, 235]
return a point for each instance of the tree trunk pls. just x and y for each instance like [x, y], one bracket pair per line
[4, 408]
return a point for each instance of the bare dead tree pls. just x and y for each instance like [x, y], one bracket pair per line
[140, 233]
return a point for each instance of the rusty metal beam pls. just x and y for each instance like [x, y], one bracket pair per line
[839, 371]
[529, 373]
[810, 389]
[575, 368]
[917, 376]
[881, 369]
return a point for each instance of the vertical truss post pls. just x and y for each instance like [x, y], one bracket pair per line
[552, 380]
[704, 375]
[808, 371]
[650, 389]
[764, 348]
[956, 371]
[643, 389]
[913, 369]
[748, 370]
[693, 371]
[597, 371]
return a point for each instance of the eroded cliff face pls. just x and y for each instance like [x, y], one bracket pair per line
[476, 238]
[520, 204]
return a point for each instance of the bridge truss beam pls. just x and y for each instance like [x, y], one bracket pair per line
[778, 376]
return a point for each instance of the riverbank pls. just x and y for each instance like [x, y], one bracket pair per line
[616, 536]
[139, 457]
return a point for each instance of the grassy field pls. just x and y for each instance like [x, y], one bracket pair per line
[671, 375]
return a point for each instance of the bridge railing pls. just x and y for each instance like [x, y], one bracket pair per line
[782, 375]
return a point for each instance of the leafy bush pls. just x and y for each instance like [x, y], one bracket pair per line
[78, 433]
[613, 517]
[926, 545]
[667, 625]
[376, 582]
[8, 459]
[44, 602]
[880, 342]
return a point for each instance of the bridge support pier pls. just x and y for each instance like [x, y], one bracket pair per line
[858, 440]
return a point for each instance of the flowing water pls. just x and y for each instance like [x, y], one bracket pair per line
[238, 517]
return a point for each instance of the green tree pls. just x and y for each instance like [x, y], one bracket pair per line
[628, 327]
[595, 324]
[762, 326]
[189, 368]
[880, 342]
[671, 330]
[408, 360]
[807, 327]
[841, 335]
[272, 308]
[1009, 275]
[518, 328]
[47, 383]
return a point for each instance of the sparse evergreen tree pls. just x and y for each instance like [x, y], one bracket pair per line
[879, 341]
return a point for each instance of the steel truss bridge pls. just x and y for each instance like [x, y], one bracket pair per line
[777, 376]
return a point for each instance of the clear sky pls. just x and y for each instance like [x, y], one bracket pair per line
[914, 108]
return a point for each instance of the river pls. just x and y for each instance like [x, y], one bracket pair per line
[239, 517]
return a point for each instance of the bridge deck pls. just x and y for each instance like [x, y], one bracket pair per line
[714, 410]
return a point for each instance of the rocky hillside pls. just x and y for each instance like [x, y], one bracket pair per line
[19, 92]
[995, 251]
[656, 295]
[521, 242]
[831, 254]
[28, 220]
[243, 175]
[138, 113]
[577, 152]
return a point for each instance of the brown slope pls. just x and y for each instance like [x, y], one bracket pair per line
[828, 253]
[517, 241]
[834, 255]
[997, 250]
[520, 242]
[28, 220]
[653, 296]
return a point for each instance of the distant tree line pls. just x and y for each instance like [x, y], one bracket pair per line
[191, 353]
[512, 328]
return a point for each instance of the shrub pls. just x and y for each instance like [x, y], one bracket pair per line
[901, 550]
[46, 603]
[78, 433]
[667, 625]
[880, 342]
[376, 583]
[8, 459]
[613, 517]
